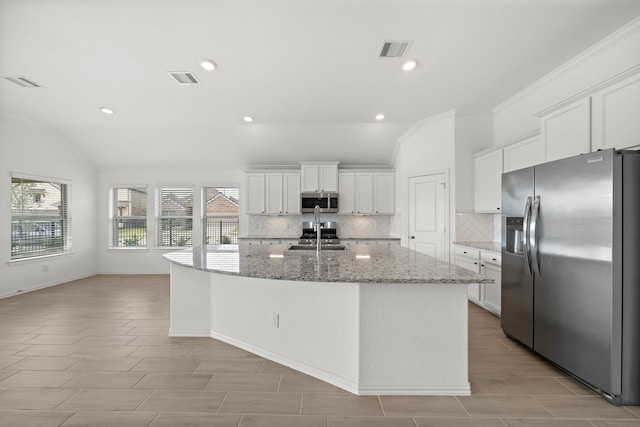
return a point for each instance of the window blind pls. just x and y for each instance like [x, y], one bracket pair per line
[174, 216]
[129, 217]
[221, 207]
[40, 217]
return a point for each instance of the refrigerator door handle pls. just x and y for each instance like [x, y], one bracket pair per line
[525, 234]
[533, 235]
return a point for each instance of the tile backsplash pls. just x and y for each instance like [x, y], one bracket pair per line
[478, 227]
[291, 226]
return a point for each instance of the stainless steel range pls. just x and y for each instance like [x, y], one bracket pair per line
[328, 233]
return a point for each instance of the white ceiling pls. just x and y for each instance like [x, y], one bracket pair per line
[307, 71]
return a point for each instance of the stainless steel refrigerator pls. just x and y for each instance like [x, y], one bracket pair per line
[571, 267]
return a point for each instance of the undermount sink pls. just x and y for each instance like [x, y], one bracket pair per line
[313, 247]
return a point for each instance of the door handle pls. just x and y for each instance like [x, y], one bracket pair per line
[533, 237]
[413, 237]
[525, 235]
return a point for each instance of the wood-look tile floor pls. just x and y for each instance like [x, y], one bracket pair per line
[95, 352]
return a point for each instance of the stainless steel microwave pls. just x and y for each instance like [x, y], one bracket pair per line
[328, 202]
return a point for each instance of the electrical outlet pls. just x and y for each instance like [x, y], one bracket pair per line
[275, 320]
[45, 268]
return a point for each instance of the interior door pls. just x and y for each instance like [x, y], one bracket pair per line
[429, 215]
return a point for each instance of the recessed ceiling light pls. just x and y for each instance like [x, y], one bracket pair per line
[410, 65]
[380, 117]
[248, 119]
[107, 110]
[208, 64]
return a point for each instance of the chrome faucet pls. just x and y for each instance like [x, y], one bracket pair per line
[316, 219]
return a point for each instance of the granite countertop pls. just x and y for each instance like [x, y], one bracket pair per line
[297, 237]
[359, 264]
[485, 246]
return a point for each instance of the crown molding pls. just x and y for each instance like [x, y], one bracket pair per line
[617, 36]
[635, 69]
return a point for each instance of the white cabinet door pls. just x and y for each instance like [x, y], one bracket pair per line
[255, 194]
[347, 194]
[616, 115]
[364, 193]
[274, 200]
[488, 182]
[319, 176]
[328, 177]
[291, 193]
[529, 152]
[566, 132]
[492, 292]
[309, 175]
[384, 191]
[474, 291]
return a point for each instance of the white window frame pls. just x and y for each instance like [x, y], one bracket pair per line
[161, 216]
[39, 229]
[206, 217]
[116, 219]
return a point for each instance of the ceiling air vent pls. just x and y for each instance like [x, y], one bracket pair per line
[184, 77]
[23, 81]
[394, 48]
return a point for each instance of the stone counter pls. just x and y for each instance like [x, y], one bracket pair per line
[372, 319]
[485, 246]
[357, 264]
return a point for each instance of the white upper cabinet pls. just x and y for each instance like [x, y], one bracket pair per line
[488, 196]
[347, 194]
[274, 199]
[566, 131]
[528, 152]
[291, 193]
[384, 193]
[366, 193]
[273, 193]
[319, 176]
[616, 115]
[255, 194]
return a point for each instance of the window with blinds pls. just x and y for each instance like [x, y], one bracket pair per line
[40, 217]
[128, 217]
[174, 216]
[221, 207]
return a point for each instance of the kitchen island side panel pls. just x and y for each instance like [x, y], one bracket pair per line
[309, 326]
[414, 339]
[190, 309]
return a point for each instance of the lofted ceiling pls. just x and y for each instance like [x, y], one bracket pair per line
[307, 70]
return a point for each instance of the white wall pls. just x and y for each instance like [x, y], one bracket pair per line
[427, 147]
[612, 55]
[149, 260]
[445, 142]
[33, 149]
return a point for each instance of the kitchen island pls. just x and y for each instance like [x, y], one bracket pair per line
[370, 319]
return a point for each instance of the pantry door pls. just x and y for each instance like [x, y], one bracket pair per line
[429, 215]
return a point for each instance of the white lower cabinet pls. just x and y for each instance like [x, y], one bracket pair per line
[487, 263]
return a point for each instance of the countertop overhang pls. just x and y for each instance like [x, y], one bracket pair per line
[358, 264]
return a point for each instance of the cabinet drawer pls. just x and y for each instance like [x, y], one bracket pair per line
[467, 252]
[491, 258]
[468, 263]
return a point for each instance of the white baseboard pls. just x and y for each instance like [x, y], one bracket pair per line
[46, 285]
[343, 383]
[416, 390]
[196, 334]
